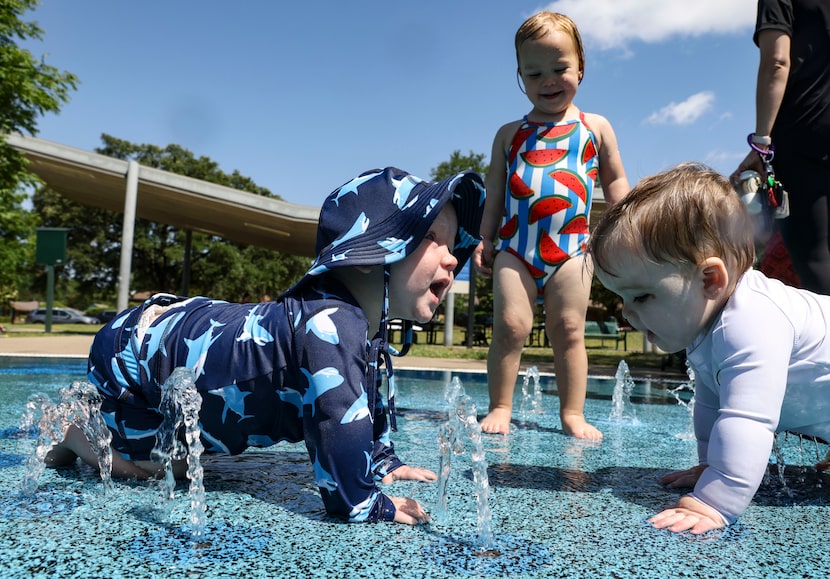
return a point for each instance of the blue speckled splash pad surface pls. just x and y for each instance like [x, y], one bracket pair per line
[561, 507]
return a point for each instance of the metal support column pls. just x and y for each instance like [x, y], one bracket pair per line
[127, 236]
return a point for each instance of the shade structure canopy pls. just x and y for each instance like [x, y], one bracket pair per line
[100, 181]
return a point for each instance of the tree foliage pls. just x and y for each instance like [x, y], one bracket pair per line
[219, 268]
[457, 163]
[29, 88]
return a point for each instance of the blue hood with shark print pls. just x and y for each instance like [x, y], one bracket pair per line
[379, 218]
[382, 215]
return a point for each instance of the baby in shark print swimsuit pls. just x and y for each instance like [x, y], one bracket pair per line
[253, 393]
[308, 366]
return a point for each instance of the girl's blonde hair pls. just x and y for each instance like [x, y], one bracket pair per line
[681, 216]
[543, 23]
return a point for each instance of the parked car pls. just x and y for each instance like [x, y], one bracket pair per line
[106, 316]
[61, 316]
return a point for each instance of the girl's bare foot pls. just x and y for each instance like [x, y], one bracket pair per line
[497, 422]
[578, 427]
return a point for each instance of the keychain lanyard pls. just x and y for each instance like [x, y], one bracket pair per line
[766, 158]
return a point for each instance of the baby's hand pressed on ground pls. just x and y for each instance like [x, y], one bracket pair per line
[406, 472]
[824, 464]
[679, 479]
[689, 515]
[409, 511]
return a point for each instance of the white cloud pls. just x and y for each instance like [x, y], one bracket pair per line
[683, 113]
[721, 157]
[613, 24]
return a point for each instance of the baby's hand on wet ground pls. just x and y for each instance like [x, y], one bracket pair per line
[679, 479]
[409, 511]
[824, 464]
[689, 515]
[406, 472]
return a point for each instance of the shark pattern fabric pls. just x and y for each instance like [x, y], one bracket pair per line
[382, 215]
[306, 367]
[290, 370]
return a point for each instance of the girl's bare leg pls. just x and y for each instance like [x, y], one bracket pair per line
[514, 299]
[566, 303]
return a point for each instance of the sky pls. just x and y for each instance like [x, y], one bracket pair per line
[303, 96]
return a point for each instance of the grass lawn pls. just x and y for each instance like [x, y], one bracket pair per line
[597, 355]
[57, 329]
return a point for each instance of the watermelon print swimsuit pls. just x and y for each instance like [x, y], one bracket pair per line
[551, 170]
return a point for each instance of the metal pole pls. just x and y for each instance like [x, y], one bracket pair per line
[471, 308]
[449, 316]
[50, 296]
[127, 236]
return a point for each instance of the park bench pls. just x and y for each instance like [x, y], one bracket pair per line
[479, 337]
[604, 331]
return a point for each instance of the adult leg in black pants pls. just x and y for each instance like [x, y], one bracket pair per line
[807, 231]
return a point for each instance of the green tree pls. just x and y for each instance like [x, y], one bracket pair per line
[29, 88]
[457, 163]
[219, 268]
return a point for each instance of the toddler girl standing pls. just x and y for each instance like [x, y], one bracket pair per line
[535, 225]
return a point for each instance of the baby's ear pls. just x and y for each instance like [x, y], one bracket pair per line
[715, 277]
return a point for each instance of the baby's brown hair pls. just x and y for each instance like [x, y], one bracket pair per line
[543, 23]
[680, 216]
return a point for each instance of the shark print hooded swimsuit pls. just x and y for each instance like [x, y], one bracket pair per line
[290, 370]
[304, 367]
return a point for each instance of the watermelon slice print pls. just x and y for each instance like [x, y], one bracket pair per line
[518, 188]
[518, 140]
[548, 206]
[577, 225]
[509, 229]
[589, 151]
[543, 157]
[534, 271]
[572, 181]
[593, 174]
[550, 253]
[557, 133]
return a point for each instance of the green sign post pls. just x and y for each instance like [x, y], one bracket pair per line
[51, 250]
